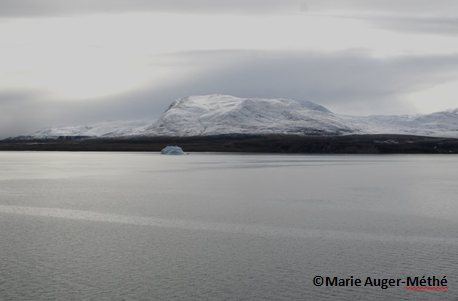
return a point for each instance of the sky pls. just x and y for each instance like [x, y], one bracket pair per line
[66, 62]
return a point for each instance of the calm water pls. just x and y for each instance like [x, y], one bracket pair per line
[141, 226]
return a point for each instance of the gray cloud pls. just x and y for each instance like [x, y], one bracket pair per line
[418, 16]
[443, 25]
[18, 111]
[346, 82]
[386, 6]
[65, 7]
[425, 25]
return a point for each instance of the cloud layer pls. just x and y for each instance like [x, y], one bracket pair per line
[53, 68]
[65, 7]
[70, 7]
[345, 82]
[438, 17]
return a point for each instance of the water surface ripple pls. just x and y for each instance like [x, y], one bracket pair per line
[140, 226]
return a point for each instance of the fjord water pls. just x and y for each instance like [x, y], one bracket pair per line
[141, 226]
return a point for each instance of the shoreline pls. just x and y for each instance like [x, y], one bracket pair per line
[352, 144]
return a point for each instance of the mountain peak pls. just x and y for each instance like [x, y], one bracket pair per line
[217, 101]
[225, 114]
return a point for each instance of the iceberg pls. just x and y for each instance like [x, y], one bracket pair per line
[173, 150]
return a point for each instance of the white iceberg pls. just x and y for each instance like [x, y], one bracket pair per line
[173, 150]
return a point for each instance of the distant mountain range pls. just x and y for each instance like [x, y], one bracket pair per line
[104, 129]
[213, 115]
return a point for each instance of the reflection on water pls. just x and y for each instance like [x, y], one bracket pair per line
[139, 226]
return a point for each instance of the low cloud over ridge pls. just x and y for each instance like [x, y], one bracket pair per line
[348, 82]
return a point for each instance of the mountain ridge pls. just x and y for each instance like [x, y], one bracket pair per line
[217, 114]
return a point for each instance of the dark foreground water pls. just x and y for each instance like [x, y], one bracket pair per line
[140, 226]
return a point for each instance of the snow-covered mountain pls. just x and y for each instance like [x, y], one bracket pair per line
[439, 124]
[223, 114]
[104, 129]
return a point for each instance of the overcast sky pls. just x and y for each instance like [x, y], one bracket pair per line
[66, 62]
